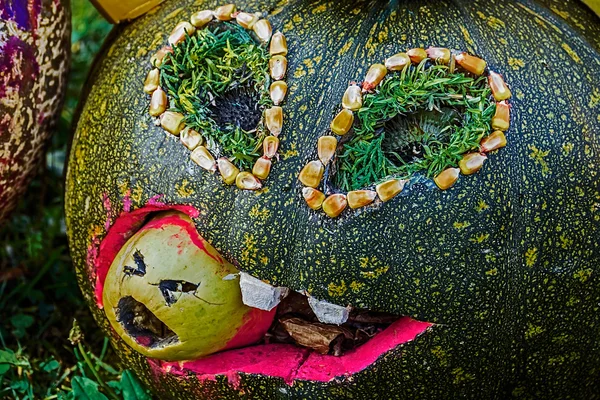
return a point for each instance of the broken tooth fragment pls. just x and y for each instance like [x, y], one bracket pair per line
[328, 313]
[258, 294]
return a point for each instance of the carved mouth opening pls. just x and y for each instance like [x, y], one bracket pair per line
[141, 324]
[346, 349]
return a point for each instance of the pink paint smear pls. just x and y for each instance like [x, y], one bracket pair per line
[291, 362]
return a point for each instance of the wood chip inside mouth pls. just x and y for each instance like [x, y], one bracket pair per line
[296, 323]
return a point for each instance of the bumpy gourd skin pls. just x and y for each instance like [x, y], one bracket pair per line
[505, 262]
[34, 58]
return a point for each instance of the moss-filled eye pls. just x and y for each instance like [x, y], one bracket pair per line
[167, 294]
[420, 120]
[219, 88]
[430, 112]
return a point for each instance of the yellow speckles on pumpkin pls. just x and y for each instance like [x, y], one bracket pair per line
[539, 156]
[141, 52]
[567, 148]
[356, 286]
[539, 19]
[573, 301]
[320, 9]
[479, 238]
[461, 225]
[563, 14]
[594, 98]
[337, 290]
[531, 256]
[571, 53]
[533, 331]
[291, 152]
[288, 26]
[493, 22]
[382, 36]
[365, 261]
[259, 213]
[467, 37]
[184, 189]
[481, 206]
[516, 63]
[565, 242]
[346, 47]
[299, 72]
[461, 376]
[492, 272]
[425, 10]
[173, 14]
[562, 338]
[583, 274]
[95, 230]
[374, 274]
[376, 267]
[441, 355]
[123, 188]
[249, 252]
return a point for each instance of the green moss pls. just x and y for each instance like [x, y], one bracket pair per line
[208, 72]
[420, 120]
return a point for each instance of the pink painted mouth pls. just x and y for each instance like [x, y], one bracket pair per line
[291, 362]
[286, 361]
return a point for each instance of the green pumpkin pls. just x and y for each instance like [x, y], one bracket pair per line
[34, 60]
[504, 264]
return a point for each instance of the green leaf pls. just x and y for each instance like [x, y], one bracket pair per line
[131, 388]
[86, 389]
[21, 321]
[50, 365]
[7, 357]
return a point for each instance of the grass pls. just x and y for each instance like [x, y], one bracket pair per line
[420, 120]
[39, 296]
[212, 64]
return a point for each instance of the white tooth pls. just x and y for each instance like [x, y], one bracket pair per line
[257, 294]
[328, 313]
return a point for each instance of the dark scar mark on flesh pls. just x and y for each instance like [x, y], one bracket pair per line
[173, 289]
[140, 265]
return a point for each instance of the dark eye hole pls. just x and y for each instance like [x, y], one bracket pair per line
[406, 135]
[140, 266]
[142, 324]
[237, 107]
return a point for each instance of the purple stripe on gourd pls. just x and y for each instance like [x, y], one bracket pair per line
[24, 13]
[18, 65]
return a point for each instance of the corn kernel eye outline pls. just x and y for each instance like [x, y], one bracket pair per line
[333, 202]
[208, 153]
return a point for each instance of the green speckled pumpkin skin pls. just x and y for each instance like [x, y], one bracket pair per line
[505, 262]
